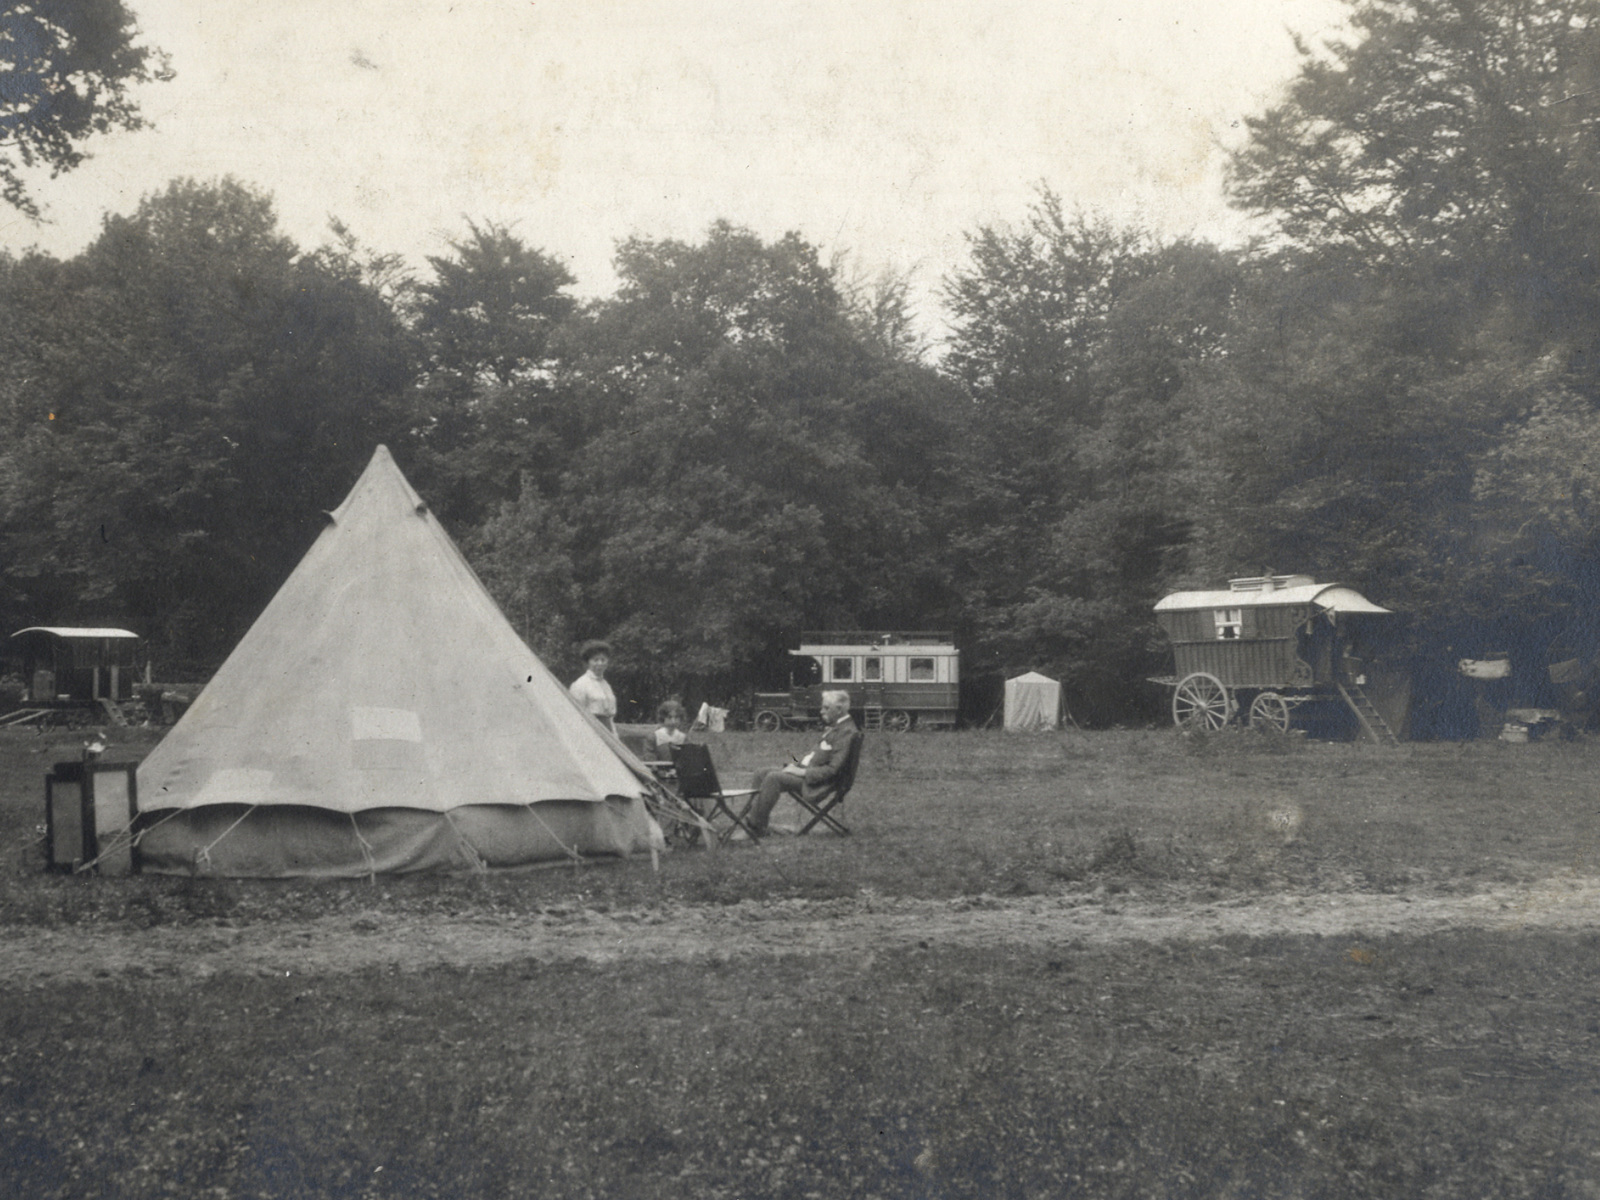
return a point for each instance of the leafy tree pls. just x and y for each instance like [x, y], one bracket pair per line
[727, 496]
[1341, 434]
[524, 553]
[488, 411]
[198, 390]
[1538, 488]
[1394, 376]
[1459, 137]
[880, 307]
[1028, 316]
[1028, 312]
[1074, 340]
[1127, 535]
[491, 308]
[66, 67]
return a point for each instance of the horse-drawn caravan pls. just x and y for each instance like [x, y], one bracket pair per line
[71, 675]
[1267, 647]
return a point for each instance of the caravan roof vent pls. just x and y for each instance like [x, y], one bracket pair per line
[1269, 583]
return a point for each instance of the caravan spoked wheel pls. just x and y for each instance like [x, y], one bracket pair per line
[896, 720]
[1270, 711]
[767, 721]
[1201, 702]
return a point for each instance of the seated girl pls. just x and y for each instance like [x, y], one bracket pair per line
[673, 717]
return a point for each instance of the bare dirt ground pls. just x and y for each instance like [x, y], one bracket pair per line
[859, 926]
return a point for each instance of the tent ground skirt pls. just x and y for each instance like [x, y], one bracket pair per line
[279, 842]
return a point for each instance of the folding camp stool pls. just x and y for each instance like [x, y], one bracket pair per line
[698, 784]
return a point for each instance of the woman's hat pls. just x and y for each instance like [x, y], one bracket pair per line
[590, 649]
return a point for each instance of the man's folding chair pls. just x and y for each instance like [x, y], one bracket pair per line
[698, 784]
[821, 810]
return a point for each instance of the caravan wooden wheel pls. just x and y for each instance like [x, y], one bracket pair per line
[1270, 711]
[767, 721]
[896, 720]
[1201, 702]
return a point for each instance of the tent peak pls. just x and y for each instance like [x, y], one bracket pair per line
[382, 483]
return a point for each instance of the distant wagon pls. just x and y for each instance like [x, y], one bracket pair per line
[896, 679]
[73, 672]
[1267, 646]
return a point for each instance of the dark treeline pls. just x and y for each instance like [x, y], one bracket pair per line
[1398, 388]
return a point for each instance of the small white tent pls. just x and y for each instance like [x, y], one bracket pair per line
[1033, 702]
[381, 715]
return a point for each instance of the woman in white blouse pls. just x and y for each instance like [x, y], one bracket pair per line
[591, 691]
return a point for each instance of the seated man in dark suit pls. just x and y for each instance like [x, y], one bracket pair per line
[813, 775]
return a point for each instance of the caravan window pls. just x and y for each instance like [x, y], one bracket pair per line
[841, 669]
[921, 670]
[1230, 623]
[872, 670]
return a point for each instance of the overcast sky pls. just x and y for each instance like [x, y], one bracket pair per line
[882, 128]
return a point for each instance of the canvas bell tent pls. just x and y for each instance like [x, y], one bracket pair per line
[1033, 702]
[380, 716]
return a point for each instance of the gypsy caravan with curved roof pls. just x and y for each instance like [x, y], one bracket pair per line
[71, 675]
[1266, 647]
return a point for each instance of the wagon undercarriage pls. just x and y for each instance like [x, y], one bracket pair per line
[1200, 701]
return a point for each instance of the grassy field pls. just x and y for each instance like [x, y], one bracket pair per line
[1460, 1063]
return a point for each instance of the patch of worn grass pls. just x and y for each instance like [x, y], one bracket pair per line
[1446, 1067]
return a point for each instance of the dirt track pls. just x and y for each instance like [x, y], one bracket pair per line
[858, 926]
